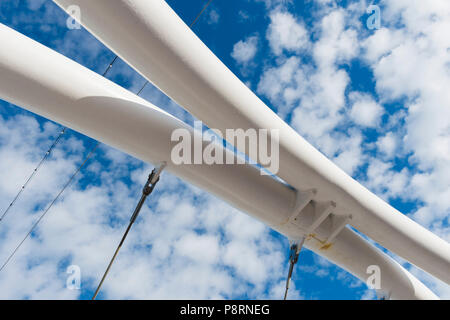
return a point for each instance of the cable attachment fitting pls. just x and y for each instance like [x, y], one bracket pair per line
[153, 179]
[294, 253]
[296, 247]
[149, 186]
[154, 176]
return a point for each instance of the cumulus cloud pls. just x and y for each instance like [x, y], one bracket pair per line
[388, 145]
[245, 50]
[338, 43]
[314, 94]
[409, 58]
[364, 110]
[410, 64]
[213, 17]
[274, 3]
[286, 33]
[277, 80]
[348, 155]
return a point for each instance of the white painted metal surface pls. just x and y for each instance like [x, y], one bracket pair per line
[155, 41]
[47, 83]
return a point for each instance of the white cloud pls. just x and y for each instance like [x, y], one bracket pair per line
[276, 81]
[286, 33]
[365, 111]
[199, 248]
[411, 68]
[381, 43]
[386, 182]
[213, 17]
[410, 59]
[388, 145]
[337, 43]
[315, 93]
[349, 154]
[275, 3]
[245, 50]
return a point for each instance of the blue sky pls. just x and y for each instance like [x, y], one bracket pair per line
[363, 97]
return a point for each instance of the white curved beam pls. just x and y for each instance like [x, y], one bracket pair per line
[157, 43]
[51, 85]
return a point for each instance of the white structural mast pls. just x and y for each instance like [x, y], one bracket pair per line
[150, 37]
[51, 85]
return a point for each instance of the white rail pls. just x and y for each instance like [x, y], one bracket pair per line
[158, 44]
[51, 85]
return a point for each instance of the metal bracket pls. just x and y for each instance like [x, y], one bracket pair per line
[323, 211]
[336, 229]
[303, 199]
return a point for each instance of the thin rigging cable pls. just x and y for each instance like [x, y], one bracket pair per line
[153, 179]
[201, 12]
[293, 259]
[143, 87]
[86, 159]
[46, 156]
[149, 186]
[51, 204]
[110, 65]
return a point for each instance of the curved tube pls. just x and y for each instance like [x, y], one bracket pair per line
[51, 85]
[158, 44]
